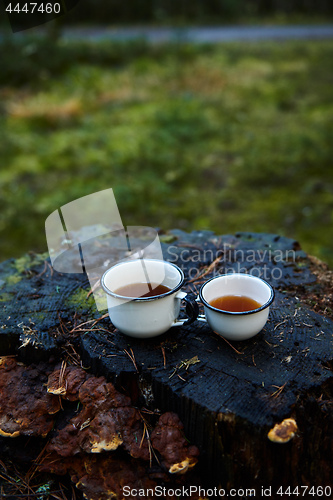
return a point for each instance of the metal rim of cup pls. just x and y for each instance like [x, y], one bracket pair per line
[143, 299]
[237, 313]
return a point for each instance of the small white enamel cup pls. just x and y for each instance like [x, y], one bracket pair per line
[237, 325]
[144, 317]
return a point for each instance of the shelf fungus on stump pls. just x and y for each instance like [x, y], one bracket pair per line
[108, 422]
[26, 408]
[169, 440]
[104, 421]
[102, 476]
[66, 382]
[283, 432]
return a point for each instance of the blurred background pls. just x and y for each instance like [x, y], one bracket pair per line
[233, 136]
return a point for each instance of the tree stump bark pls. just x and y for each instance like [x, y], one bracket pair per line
[228, 395]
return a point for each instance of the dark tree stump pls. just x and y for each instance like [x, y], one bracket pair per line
[227, 396]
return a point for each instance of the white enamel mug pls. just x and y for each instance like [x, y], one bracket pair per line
[237, 325]
[144, 317]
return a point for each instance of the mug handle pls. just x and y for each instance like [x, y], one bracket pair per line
[191, 309]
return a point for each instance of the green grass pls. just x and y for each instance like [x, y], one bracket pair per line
[232, 137]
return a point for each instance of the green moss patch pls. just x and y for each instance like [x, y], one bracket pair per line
[228, 137]
[78, 301]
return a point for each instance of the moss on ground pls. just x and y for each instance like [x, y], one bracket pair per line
[230, 137]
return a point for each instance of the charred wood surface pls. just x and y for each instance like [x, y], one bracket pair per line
[228, 396]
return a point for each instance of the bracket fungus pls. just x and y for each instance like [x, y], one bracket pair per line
[26, 408]
[106, 420]
[283, 432]
[168, 438]
[66, 382]
[103, 444]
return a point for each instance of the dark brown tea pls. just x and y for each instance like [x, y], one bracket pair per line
[235, 303]
[140, 290]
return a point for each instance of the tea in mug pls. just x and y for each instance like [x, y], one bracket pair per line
[235, 303]
[140, 290]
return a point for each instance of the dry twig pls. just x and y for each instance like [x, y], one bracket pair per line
[185, 364]
[147, 435]
[277, 393]
[132, 358]
[209, 269]
[164, 358]
[232, 347]
[96, 285]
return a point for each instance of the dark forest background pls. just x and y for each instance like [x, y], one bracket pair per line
[190, 11]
